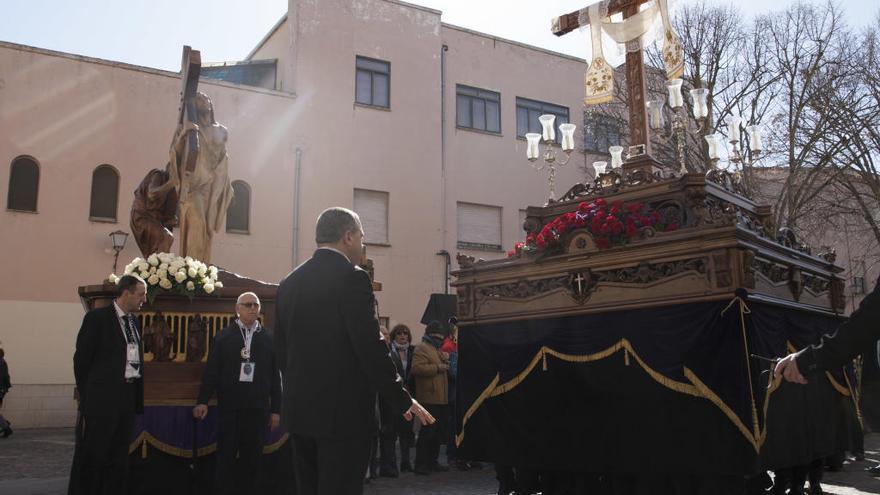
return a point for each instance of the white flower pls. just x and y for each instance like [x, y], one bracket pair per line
[136, 261]
[153, 280]
[144, 275]
[152, 269]
[163, 266]
[203, 270]
[143, 266]
[113, 279]
[192, 272]
[165, 283]
[188, 260]
[162, 273]
[180, 277]
[190, 285]
[213, 269]
[153, 259]
[218, 284]
[128, 270]
[208, 288]
[165, 257]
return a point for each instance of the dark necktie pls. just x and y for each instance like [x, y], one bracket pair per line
[129, 329]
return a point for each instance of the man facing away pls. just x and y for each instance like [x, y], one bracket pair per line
[241, 369]
[333, 361]
[109, 378]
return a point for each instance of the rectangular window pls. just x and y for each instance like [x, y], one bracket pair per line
[372, 207]
[479, 227]
[528, 111]
[858, 285]
[478, 109]
[372, 82]
[600, 132]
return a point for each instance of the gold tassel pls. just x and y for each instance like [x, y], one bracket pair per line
[144, 449]
[626, 357]
[543, 360]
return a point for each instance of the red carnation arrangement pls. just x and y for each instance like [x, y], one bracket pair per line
[614, 225]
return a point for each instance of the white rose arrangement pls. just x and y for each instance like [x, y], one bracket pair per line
[167, 272]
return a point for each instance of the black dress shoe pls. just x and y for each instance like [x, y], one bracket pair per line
[7, 431]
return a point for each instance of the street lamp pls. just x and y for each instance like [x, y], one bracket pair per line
[118, 239]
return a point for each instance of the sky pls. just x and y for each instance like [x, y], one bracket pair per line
[151, 32]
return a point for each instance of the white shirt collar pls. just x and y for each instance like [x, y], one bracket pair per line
[336, 251]
[119, 312]
[253, 328]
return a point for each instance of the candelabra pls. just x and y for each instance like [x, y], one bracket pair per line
[550, 158]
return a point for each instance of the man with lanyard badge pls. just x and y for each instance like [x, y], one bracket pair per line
[241, 369]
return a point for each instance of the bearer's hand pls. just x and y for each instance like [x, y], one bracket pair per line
[419, 412]
[274, 421]
[200, 411]
[787, 367]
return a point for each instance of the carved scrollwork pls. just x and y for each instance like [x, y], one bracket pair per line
[731, 182]
[522, 289]
[465, 261]
[646, 272]
[611, 182]
[774, 272]
[816, 284]
[464, 300]
[787, 238]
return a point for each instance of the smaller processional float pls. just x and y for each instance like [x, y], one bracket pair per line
[628, 343]
[189, 301]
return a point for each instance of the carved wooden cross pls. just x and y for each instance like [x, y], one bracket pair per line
[190, 68]
[635, 70]
[579, 278]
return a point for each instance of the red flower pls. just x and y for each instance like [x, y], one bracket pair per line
[634, 208]
[631, 230]
[511, 254]
[541, 243]
[583, 207]
[601, 203]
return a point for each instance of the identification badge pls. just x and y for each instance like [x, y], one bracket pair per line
[247, 372]
[134, 355]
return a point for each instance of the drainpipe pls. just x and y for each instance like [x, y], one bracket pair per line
[448, 264]
[296, 203]
[443, 252]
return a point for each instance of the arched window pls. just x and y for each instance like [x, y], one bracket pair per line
[24, 182]
[239, 212]
[105, 193]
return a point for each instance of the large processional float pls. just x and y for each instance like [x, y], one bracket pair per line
[628, 343]
[188, 302]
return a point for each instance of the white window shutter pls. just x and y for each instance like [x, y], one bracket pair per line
[479, 226]
[372, 207]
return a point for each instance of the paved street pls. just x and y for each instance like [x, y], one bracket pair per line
[36, 462]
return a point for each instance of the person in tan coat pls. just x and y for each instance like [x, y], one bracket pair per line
[429, 368]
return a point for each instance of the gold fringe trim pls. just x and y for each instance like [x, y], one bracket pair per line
[756, 435]
[146, 438]
[706, 392]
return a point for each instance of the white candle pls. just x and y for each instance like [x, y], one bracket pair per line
[616, 159]
[755, 143]
[714, 142]
[655, 114]
[547, 121]
[567, 136]
[733, 122]
[532, 140]
[599, 167]
[674, 88]
[700, 98]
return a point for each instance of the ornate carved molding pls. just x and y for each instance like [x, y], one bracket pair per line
[581, 285]
[748, 264]
[722, 269]
[795, 282]
[612, 182]
[774, 272]
[465, 261]
[464, 300]
[728, 181]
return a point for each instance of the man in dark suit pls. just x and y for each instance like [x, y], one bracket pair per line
[241, 370]
[107, 366]
[837, 349]
[333, 361]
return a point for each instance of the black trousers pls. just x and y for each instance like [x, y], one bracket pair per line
[399, 429]
[330, 466]
[100, 464]
[430, 438]
[240, 435]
